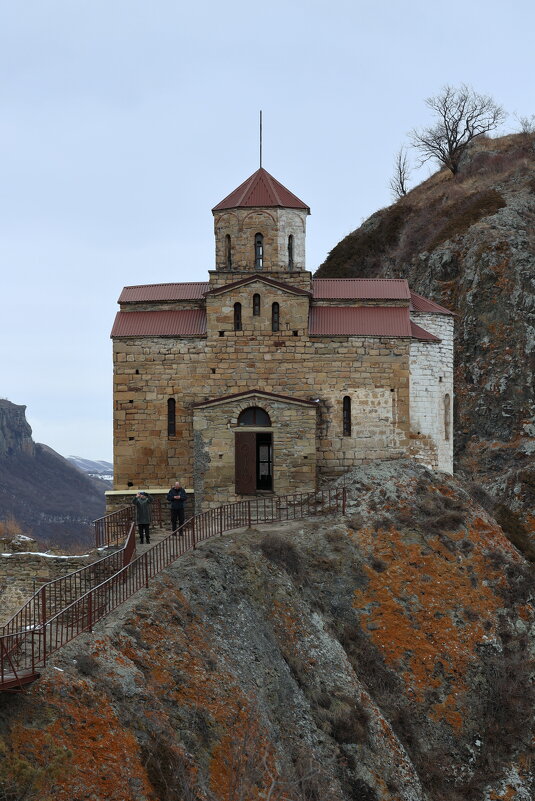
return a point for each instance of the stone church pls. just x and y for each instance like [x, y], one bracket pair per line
[263, 379]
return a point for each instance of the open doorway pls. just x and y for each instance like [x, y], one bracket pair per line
[253, 453]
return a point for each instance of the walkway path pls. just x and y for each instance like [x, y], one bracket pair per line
[83, 598]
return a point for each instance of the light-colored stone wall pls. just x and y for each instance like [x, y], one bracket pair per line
[431, 380]
[293, 432]
[274, 224]
[369, 369]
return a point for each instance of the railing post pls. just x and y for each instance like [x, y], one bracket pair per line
[193, 531]
[43, 604]
[220, 521]
[146, 555]
[43, 626]
[249, 514]
[90, 611]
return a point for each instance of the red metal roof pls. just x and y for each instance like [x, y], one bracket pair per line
[261, 190]
[182, 323]
[420, 333]
[379, 321]
[361, 289]
[421, 304]
[191, 290]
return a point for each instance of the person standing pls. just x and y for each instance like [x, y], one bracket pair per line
[143, 505]
[176, 497]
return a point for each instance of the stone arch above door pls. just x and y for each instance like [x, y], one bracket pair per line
[218, 438]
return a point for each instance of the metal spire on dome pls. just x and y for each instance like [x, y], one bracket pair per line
[260, 138]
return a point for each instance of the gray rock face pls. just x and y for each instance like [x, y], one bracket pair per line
[468, 242]
[384, 656]
[15, 432]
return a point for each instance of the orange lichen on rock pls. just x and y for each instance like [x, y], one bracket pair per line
[507, 794]
[105, 760]
[242, 761]
[425, 614]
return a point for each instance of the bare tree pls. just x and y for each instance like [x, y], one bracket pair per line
[399, 181]
[462, 116]
[527, 124]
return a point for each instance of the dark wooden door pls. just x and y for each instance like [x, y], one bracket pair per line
[245, 463]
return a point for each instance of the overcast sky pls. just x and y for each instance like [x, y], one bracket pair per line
[124, 121]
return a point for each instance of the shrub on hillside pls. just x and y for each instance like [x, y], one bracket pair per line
[362, 251]
[467, 213]
[515, 531]
[283, 553]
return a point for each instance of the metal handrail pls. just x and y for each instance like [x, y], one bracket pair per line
[111, 528]
[31, 648]
[54, 594]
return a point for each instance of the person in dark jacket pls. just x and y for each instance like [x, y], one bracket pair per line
[143, 505]
[176, 497]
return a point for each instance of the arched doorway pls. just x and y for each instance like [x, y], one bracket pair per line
[254, 452]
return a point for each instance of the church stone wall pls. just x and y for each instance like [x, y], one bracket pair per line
[293, 430]
[293, 311]
[274, 224]
[195, 370]
[431, 393]
[301, 279]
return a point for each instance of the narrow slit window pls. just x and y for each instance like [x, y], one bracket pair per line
[447, 416]
[258, 251]
[228, 252]
[275, 317]
[171, 417]
[291, 252]
[237, 317]
[346, 416]
[256, 304]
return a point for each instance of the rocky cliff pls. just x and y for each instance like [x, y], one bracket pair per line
[40, 492]
[468, 242]
[15, 432]
[385, 656]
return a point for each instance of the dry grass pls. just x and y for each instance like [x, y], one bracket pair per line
[515, 531]
[283, 553]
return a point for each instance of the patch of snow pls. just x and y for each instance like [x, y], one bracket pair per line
[49, 555]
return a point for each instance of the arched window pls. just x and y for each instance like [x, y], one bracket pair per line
[256, 304]
[254, 416]
[171, 417]
[237, 316]
[228, 252]
[346, 416]
[258, 251]
[291, 252]
[275, 317]
[447, 416]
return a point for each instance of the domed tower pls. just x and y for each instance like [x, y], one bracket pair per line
[260, 228]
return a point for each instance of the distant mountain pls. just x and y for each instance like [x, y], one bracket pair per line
[49, 498]
[100, 469]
